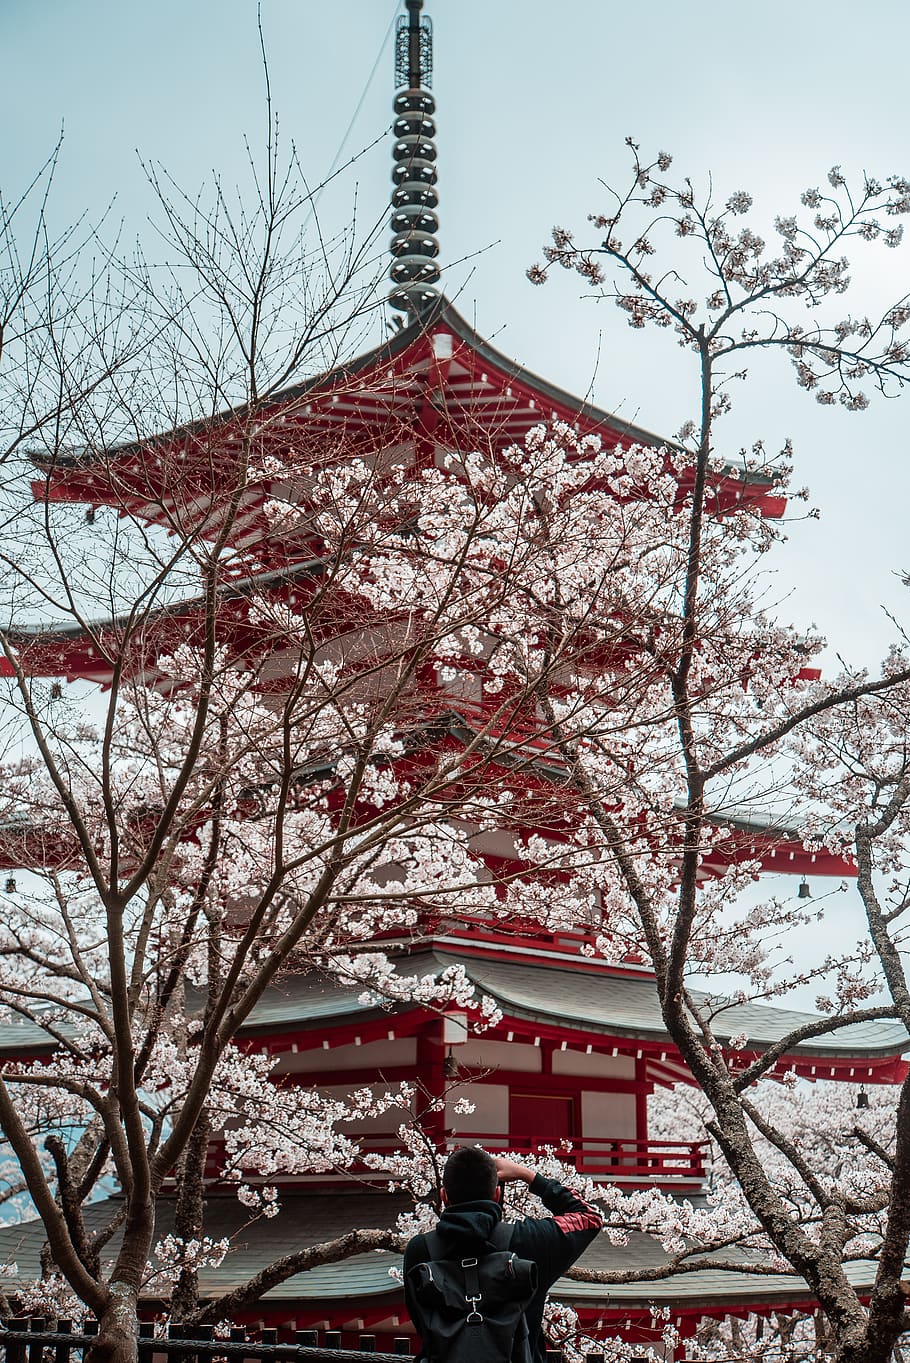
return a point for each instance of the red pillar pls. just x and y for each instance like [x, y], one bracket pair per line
[431, 1079]
[641, 1101]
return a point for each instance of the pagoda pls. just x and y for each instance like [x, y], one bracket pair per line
[579, 1043]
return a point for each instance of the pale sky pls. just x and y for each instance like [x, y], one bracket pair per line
[534, 102]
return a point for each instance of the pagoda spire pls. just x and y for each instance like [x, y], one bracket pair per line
[414, 270]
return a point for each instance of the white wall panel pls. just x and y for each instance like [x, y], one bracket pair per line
[608, 1114]
[373, 1055]
[607, 1066]
[491, 1109]
[502, 1055]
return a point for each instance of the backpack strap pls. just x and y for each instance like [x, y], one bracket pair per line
[472, 1291]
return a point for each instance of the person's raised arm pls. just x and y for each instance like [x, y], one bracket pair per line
[571, 1212]
[508, 1171]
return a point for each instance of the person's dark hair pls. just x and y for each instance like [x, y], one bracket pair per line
[469, 1175]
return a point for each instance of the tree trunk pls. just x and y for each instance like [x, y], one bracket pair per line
[118, 1336]
[188, 1221]
[860, 1349]
[118, 1319]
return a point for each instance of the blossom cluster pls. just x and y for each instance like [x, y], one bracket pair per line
[748, 289]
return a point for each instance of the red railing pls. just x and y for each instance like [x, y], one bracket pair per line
[605, 1158]
[608, 1157]
[490, 930]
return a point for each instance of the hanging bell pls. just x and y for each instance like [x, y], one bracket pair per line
[450, 1069]
[804, 891]
[862, 1099]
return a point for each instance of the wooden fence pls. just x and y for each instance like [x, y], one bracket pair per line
[29, 1341]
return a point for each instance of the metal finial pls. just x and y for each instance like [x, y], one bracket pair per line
[414, 223]
[413, 48]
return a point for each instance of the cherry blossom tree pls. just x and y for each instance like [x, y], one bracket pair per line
[720, 700]
[264, 780]
[267, 780]
[257, 786]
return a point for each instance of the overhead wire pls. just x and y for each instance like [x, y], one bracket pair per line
[364, 93]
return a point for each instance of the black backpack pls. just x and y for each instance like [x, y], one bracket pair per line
[474, 1308]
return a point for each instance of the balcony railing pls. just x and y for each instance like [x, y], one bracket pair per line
[674, 1164]
[607, 1157]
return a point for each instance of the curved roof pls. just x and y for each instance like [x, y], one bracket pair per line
[309, 1218]
[616, 1005]
[422, 343]
[436, 381]
[629, 1006]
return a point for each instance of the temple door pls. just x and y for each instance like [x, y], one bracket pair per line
[537, 1119]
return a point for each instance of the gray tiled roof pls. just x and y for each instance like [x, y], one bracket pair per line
[307, 1219]
[621, 1006]
[629, 1007]
[309, 999]
[304, 1219]
[297, 1001]
[706, 1286]
[17, 1037]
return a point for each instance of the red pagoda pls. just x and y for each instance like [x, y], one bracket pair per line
[580, 1044]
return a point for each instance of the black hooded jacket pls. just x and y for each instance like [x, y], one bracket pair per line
[553, 1242]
